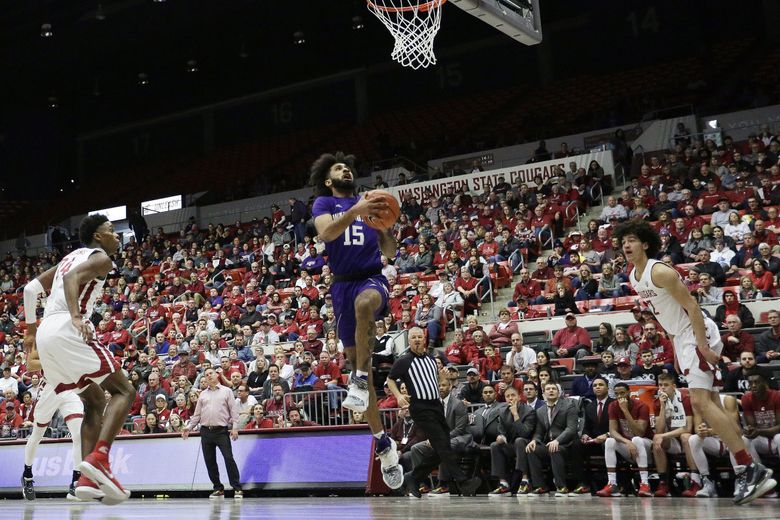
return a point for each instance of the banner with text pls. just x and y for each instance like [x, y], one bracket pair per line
[271, 459]
[477, 182]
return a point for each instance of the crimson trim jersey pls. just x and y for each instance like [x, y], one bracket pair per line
[88, 292]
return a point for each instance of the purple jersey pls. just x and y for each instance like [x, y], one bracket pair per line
[357, 248]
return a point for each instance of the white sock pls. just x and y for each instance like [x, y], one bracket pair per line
[32, 444]
[696, 478]
[610, 459]
[699, 457]
[74, 426]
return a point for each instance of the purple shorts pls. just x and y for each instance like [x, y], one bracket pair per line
[344, 296]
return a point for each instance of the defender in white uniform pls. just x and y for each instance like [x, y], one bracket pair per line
[72, 409]
[703, 442]
[74, 360]
[697, 347]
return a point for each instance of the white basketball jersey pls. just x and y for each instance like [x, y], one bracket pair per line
[671, 315]
[88, 293]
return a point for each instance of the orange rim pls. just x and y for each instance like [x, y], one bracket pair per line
[425, 6]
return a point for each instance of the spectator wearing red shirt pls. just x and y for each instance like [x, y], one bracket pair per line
[508, 380]
[176, 324]
[456, 351]
[543, 272]
[527, 287]
[466, 285]
[762, 277]
[735, 341]
[302, 315]
[691, 219]
[660, 346]
[11, 420]
[524, 312]
[259, 421]
[311, 343]
[572, 340]
[119, 338]
[488, 249]
[181, 408]
[184, 367]
[488, 362]
[235, 364]
[500, 334]
[762, 234]
[161, 410]
[330, 375]
[708, 201]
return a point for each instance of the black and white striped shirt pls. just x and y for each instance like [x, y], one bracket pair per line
[420, 374]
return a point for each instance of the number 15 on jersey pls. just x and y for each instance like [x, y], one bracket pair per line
[353, 236]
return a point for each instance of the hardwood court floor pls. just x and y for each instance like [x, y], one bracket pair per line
[473, 508]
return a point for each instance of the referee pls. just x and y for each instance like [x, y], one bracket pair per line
[419, 372]
[216, 411]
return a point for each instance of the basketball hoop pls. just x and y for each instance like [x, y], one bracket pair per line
[413, 24]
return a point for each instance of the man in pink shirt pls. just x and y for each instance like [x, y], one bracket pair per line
[216, 412]
[572, 339]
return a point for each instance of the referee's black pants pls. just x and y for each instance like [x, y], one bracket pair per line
[429, 416]
[211, 438]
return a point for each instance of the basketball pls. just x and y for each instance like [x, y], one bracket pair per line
[389, 216]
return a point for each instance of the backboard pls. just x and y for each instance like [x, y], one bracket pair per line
[519, 19]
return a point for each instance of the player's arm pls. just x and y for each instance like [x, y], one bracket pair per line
[329, 228]
[387, 243]
[98, 265]
[32, 290]
[667, 278]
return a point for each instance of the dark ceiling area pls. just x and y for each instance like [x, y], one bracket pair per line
[84, 76]
[91, 62]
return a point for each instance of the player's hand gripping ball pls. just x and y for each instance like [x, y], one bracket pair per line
[388, 216]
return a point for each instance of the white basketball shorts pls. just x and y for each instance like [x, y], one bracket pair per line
[686, 353]
[68, 403]
[68, 362]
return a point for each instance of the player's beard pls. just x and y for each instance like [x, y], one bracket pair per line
[343, 185]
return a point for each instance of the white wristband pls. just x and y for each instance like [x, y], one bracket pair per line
[31, 292]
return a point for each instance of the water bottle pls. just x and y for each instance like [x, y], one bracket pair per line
[759, 296]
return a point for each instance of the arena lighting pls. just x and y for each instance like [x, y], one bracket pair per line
[712, 123]
[357, 23]
[113, 214]
[192, 66]
[243, 53]
[96, 88]
[99, 14]
[299, 38]
[53, 102]
[143, 79]
[46, 30]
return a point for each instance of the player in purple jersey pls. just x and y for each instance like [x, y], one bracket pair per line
[359, 289]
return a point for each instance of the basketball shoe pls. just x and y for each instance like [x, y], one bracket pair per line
[28, 488]
[387, 451]
[96, 468]
[753, 481]
[357, 394]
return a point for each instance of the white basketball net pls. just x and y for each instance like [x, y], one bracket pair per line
[413, 24]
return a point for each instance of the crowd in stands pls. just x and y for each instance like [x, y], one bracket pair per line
[252, 299]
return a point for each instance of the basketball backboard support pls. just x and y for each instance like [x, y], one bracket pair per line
[519, 19]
